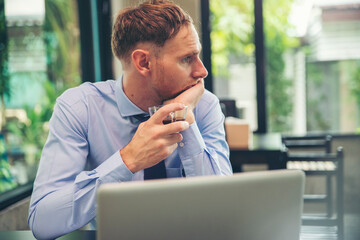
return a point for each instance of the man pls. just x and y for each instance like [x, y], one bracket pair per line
[99, 132]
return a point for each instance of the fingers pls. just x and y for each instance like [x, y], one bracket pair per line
[164, 147]
[191, 96]
[164, 111]
[174, 138]
[172, 148]
[199, 88]
[175, 127]
[171, 143]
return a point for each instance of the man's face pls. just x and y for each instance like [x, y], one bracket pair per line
[177, 65]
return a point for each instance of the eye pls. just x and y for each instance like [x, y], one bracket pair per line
[187, 59]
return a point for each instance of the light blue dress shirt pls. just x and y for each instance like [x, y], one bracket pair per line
[89, 126]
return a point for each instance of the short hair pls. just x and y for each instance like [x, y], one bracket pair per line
[153, 21]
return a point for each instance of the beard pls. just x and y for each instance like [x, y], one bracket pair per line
[163, 85]
[173, 95]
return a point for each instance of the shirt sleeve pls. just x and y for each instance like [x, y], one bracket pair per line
[204, 150]
[64, 195]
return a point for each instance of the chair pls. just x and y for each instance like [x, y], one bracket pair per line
[312, 154]
[311, 144]
[228, 107]
[308, 143]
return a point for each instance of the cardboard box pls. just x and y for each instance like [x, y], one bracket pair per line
[237, 133]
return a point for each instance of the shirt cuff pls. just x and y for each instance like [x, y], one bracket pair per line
[192, 143]
[114, 170]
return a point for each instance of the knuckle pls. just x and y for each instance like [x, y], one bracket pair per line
[165, 153]
[177, 137]
[170, 149]
[161, 145]
[155, 135]
[180, 137]
[182, 126]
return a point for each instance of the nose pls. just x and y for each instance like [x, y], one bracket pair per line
[199, 70]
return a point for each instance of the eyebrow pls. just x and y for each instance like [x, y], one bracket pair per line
[189, 54]
[193, 52]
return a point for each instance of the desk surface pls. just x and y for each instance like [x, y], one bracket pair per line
[27, 235]
[267, 141]
[264, 148]
[263, 142]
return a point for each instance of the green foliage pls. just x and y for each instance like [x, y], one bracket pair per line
[4, 68]
[355, 87]
[316, 121]
[34, 130]
[4, 72]
[7, 181]
[61, 37]
[62, 46]
[277, 42]
[232, 32]
[355, 83]
[232, 24]
[315, 80]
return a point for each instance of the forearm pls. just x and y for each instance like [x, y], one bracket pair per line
[55, 214]
[204, 157]
[57, 210]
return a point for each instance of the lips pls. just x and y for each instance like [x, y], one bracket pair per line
[196, 83]
[186, 88]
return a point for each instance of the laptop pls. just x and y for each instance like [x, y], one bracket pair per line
[249, 206]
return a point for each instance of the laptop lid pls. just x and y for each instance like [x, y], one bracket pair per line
[253, 205]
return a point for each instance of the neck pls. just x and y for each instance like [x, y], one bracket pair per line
[136, 88]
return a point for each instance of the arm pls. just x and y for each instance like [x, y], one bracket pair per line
[156, 140]
[204, 150]
[64, 196]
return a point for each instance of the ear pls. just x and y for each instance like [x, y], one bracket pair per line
[141, 61]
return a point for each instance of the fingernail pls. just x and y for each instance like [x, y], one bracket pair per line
[185, 124]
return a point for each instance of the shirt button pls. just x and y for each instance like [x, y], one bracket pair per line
[181, 144]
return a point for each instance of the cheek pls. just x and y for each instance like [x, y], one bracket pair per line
[174, 79]
[182, 72]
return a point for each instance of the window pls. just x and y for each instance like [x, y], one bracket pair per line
[233, 55]
[312, 62]
[278, 46]
[313, 59]
[40, 58]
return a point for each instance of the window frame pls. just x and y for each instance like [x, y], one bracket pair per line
[260, 58]
[94, 19]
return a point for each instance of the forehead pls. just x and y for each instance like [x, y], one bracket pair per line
[186, 41]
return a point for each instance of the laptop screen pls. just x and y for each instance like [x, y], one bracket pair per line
[253, 205]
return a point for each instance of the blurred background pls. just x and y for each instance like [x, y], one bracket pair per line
[299, 75]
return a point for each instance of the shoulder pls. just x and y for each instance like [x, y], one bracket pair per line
[87, 91]
[74, 106]
[208, 104]
[208, 113]
[208, 100]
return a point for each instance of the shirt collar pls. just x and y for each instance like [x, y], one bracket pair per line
[125, 106]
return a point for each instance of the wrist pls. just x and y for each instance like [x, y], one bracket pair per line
[126, 156]
[190, 118]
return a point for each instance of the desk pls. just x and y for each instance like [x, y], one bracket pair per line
[264, 148]
[27, 235]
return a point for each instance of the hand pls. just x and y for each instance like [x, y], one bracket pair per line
[190, 98]
[153, 141]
